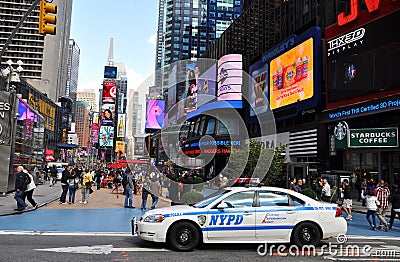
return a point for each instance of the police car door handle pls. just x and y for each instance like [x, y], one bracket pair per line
[290, 212]
[247, 214]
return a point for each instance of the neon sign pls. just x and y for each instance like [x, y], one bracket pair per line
[372, 5]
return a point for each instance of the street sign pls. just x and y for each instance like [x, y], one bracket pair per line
[374, 137]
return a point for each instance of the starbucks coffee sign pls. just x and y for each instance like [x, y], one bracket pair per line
[374, 137]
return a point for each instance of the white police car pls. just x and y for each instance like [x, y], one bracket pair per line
[243, 215]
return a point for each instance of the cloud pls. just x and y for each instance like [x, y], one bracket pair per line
[153, 40]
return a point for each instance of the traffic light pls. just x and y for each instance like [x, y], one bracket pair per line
[45, 16]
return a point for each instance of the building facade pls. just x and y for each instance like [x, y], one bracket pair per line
[71, 88]
[82, 123]
[88, 96]
[44, 57]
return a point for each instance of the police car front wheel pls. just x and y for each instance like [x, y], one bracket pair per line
[184, 236]
[306, 234]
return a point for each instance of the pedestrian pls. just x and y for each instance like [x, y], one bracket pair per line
[326, 191]
[372, 205]
[53, 175]
[299, 186]
[97, 179]
[364, 185]
[73, 186]
[66, 174]
[383, 196]
[292, 183]
[86, 186]
[155, 191]
[20, 187]
[128, 191]
[395, 206]
[29, 190]
[145, 195]
[347, 200]
[37, 175]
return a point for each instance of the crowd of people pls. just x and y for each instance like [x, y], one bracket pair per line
[374, 196]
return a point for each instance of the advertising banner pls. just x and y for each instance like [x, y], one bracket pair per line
[106, 136]
[109, 92]
[107, 114]
[155, 114]
[95, 133]
[120, 148]
[291, 76]
[206, 86]
[258, 88]
[121, 125]
[230, 77]
[6, 111]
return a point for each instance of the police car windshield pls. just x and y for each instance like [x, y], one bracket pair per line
[205, 202]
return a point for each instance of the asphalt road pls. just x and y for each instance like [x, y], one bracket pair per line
[38, 247]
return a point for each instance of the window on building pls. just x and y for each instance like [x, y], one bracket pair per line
[210, 127]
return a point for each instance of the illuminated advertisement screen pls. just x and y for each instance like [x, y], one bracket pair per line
[107, 114]
[106, 138]
[258, 88]
[109, 92]
[230, 77]
[291, 76]
[110, 72]
[187, 90]
[25, 113]
[121, 125]
[206, 86]
[362, 63]
[155, 114]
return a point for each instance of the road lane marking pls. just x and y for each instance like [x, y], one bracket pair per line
[100, 249]
[52, 233]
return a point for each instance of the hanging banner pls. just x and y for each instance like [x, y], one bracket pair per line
[95, 133]
[121, 125]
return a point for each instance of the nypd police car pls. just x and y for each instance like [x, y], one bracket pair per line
[243, 215]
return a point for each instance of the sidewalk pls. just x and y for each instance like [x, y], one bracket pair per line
[47, 197]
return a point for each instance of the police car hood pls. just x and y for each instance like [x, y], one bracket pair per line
[172, 209]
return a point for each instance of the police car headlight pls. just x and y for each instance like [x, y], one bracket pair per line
[154, 218]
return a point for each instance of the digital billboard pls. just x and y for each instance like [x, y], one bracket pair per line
[121, 125]
[206, 86]
[288, 77]
[25, 113]
[109, 92]
[107, 114]
[106, 138]
[362, 63]
[110, 72]
[155, 114]
[291, 76]
[230, 78]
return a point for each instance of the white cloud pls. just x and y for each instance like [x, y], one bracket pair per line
[153, 40]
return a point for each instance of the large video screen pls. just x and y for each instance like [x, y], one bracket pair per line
[206, 86]
[230, 78]
[110, 72]
[107, 114]
[109, 92]
[258, 88]
[291, 76]
[366, 67]
[106, 136]
[24, 113]
[155, 114]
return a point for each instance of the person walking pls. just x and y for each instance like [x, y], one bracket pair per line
[395, 206]
[20, 187]
[29, 190]
[326, 191]
[383, 196]
[372, 205]
[97, 179]
[363, 190]
[128, 190]
[66, 174]
[86, 186]
[347, 200]
[73, 185]
[53, 175]
[155, 191]
[145, 195]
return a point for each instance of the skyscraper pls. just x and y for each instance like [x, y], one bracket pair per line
[72, 73]
[44, 57]
[88, 96]
[189, 26]
[122, 86]
[160, 42]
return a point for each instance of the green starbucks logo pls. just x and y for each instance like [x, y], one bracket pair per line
[340, 131]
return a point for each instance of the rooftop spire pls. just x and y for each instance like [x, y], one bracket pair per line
[110, 60]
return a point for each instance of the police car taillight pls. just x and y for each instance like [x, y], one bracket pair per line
[339, 212]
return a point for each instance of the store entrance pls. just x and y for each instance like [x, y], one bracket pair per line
[302, 170]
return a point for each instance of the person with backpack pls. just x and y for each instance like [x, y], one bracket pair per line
[29, 190]
[21, 180]
[127, 183]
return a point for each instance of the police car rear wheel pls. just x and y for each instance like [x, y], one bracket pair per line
[306, 234]
[184, 236]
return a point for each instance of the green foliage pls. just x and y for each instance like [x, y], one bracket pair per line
[309, 192]
[198, 183]
[274, 176]
[192, 197]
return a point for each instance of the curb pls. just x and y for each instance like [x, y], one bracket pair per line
[30, 209]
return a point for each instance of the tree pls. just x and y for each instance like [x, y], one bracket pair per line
[274, 176]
